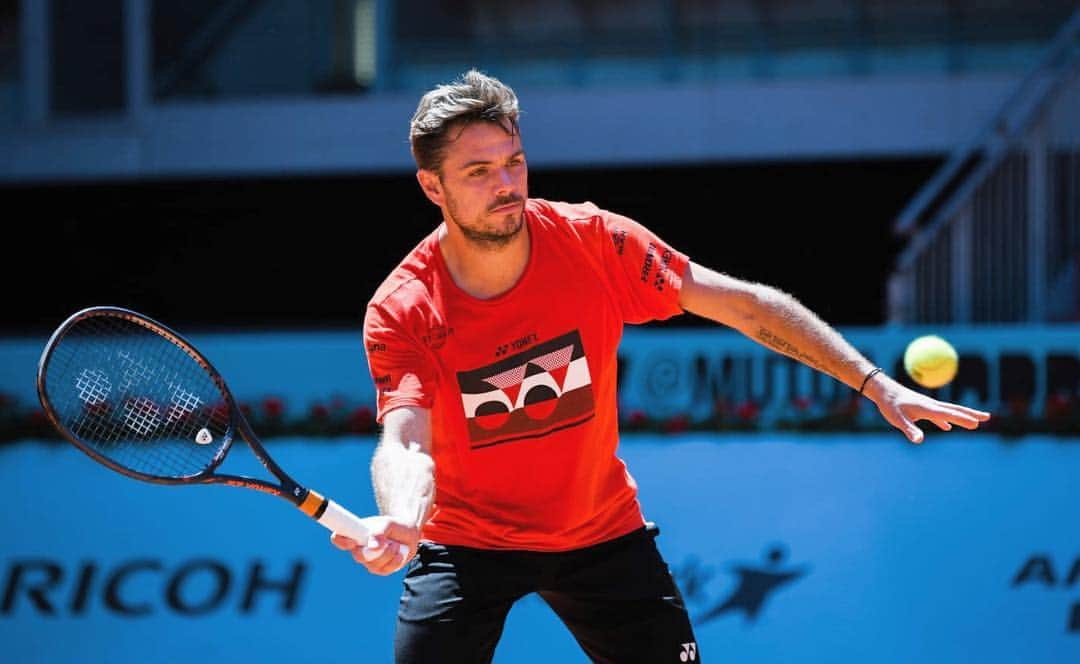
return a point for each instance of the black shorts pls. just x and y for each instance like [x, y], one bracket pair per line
[618, 599]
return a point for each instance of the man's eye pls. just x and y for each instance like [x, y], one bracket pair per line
[478, 172]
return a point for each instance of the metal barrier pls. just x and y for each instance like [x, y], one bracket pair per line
[995, 235]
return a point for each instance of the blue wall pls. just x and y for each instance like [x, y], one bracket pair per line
[962, 549]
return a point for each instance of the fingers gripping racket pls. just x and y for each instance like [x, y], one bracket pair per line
[138, 398]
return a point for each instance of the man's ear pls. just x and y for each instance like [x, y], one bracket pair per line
[431, 185]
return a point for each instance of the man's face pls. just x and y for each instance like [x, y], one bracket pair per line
[484, 183]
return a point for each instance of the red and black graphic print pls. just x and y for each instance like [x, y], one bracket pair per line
[544, 389]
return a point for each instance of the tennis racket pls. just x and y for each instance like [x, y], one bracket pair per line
[137, 397]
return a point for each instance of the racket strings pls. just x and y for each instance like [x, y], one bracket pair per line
[136, 398]
[130, 431]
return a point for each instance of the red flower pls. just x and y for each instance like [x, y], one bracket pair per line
[98, 408]
[802, 403]
[1019, 405]
[320, 412]
[677, 424]
[361, 420]
[273, 407]
[220, 412]
[37, 419]
[1058, 405]
[746, 411]
[850, 406]
[637, 418]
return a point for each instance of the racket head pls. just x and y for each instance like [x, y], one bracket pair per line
[136, 396]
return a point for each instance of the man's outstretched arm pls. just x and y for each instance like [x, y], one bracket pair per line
[777, 320]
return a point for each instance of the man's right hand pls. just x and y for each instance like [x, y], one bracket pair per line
[382, 554]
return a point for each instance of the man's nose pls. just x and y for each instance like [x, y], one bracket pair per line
[505, 180]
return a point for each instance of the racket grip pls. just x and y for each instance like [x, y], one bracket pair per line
[343, 522]
[340, 520]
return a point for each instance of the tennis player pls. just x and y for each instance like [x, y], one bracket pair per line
[493, 349]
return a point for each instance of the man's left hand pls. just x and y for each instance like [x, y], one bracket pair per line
[902, 407]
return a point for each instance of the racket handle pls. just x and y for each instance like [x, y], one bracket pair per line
[340, 520]
[337, 519]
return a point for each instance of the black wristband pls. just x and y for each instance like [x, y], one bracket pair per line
[867, 379]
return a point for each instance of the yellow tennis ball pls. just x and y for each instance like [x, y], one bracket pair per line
[931, 361]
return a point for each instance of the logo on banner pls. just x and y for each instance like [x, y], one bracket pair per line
[1039, 570]
[530, 394]
[754, 585]
[145, 586]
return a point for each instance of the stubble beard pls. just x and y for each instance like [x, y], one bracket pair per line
[489, 239]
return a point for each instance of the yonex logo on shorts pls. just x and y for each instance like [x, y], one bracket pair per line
[689, 652]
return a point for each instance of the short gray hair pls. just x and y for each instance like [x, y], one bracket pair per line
[473, 96]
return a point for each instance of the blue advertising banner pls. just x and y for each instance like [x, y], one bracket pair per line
[787, 546]
[1033, 370]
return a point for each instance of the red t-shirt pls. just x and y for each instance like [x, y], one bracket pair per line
[522, 387]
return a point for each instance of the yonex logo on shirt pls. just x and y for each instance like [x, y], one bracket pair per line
[516, 344]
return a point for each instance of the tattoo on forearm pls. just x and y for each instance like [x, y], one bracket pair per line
[787, 348]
